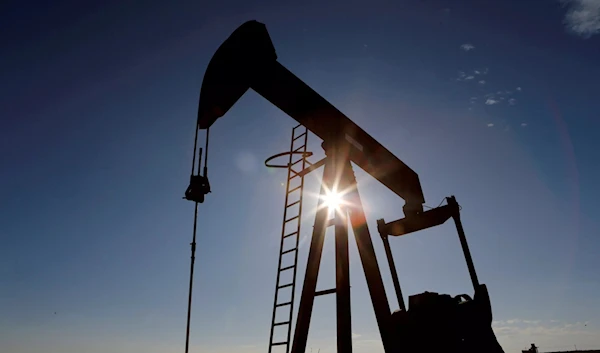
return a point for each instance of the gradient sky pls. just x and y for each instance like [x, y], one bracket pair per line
[494, 102]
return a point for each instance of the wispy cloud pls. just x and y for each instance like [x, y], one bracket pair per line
[467, 47]
[463, 76]
[500, 97]
[482, 82]
[523, 124]
[515, 334]
[553, 335]
[490, 125]
[582, 17]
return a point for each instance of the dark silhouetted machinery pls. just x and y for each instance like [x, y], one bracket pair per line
[432, 322]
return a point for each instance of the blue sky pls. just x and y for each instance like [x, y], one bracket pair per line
[492, 102]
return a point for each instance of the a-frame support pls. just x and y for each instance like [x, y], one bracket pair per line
[338, 176]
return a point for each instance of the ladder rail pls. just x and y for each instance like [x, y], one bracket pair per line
[290, 175]
[297, 236]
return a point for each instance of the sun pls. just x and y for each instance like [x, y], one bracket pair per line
[333, 200]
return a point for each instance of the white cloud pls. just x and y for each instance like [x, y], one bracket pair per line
[467, 47]
[523, 125]
[519, 89]
[512, 101]
[469, 77]
[553, 335]
[477, 72]
[582, 17]
[482, 82]
[490, 125]
[491, 101]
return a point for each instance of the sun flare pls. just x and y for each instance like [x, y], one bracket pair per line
[333, 200]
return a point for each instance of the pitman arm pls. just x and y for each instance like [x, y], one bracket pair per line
[247, 59]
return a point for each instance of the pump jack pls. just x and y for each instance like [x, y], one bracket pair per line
[247, 59]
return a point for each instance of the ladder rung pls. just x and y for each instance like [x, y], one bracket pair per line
[295, 172]
[291, 219]
[294, 189]
[286, 285]
[281, 323]
[288, 251]
[289, 235]
[297, 137]
[297, 126]
[299, 148]
[324, 292]
[298, 161]
[287, 268]
[293, 203]
[278, 343]
[284, 304]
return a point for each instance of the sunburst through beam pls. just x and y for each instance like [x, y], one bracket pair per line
[332, 200]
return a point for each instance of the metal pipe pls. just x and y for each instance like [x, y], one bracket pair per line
[193, 250]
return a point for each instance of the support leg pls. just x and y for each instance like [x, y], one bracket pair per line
[342, 280]
[367, 257]
[463, 241]
[312, 271]
[390, 258]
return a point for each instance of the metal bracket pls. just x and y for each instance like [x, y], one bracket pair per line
[427, 219]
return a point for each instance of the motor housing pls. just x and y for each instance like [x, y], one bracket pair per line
[442, 323]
